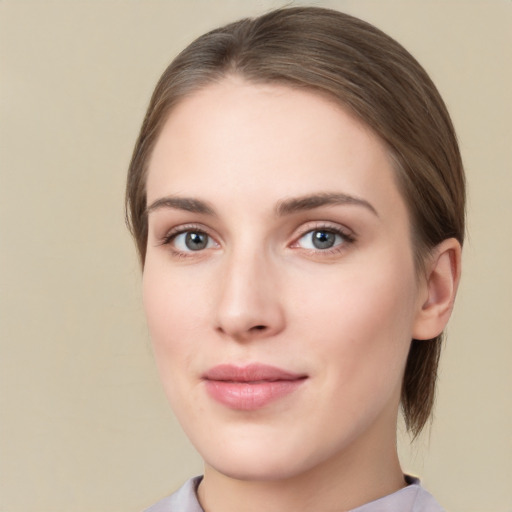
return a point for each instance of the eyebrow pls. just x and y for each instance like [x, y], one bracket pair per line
[310, 202]
[188, 204]
[284, 207]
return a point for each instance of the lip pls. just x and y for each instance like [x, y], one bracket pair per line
[250, 387]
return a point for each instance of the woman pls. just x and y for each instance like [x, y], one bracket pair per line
[296, 195]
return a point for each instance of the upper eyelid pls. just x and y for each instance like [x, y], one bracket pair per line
[348, 235]
[183, 228]
[175, 231]
[327, 225]
[295, 235]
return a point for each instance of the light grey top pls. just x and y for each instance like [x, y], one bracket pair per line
[412, 498]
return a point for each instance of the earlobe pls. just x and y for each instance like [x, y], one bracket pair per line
[442, 280]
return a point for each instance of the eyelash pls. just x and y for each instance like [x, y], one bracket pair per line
[174, 233]
[348, 238]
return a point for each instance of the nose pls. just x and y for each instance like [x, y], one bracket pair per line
[249, 305]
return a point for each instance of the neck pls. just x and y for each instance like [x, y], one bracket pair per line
[366, 471]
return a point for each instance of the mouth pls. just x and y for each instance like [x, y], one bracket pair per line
[250, 387]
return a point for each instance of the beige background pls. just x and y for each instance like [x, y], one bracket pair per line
[84, 423]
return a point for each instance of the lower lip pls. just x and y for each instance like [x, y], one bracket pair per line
[249, 396]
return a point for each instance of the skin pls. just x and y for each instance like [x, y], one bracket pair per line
[261, 291]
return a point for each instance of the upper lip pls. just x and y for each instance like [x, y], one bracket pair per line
[255, 372]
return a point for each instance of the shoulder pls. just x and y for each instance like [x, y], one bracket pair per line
[413, 498]
[183, 500]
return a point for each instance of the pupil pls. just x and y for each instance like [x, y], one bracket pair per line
[323, 239]
[196, 241]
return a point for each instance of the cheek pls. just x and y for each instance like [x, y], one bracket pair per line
[363, 320]
[173, 318]
[174, 314]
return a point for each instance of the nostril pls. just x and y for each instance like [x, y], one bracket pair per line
[259, 327]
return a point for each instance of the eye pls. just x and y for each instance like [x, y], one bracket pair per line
[321, 239]
[187, 241]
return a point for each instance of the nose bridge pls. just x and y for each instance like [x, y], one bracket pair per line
[248, 303]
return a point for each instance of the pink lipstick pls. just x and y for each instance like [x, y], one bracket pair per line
[250, 387]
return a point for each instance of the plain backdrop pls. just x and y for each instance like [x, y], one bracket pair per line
[84, 425]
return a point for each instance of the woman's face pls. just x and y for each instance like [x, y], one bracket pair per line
[279, 283]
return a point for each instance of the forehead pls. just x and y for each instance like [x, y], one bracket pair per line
[266, 138]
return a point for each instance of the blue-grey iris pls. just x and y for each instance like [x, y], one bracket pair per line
[323, 239]
[195, 241]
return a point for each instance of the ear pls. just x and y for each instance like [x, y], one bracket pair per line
[438, 290]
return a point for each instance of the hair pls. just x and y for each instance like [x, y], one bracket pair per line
[370, 75]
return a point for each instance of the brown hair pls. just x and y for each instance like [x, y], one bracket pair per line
[372, 76]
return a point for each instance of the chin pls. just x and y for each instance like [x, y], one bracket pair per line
[267, 458]
[257, 469]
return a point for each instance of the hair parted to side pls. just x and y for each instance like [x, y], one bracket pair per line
[370, 75]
